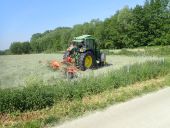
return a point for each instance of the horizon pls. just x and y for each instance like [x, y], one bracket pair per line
[22, 19]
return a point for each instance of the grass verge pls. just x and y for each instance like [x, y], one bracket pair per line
[70, 109]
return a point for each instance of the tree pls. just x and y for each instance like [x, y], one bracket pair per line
[26, 47]
[16, 48]
[2, 52]
[20, 48]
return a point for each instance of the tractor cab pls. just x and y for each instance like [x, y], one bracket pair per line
[87, 42]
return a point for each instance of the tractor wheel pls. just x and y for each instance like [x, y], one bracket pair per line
[86, 61]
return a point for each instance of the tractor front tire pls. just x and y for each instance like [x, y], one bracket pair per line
[86, 61]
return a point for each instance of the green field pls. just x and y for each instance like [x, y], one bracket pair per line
[48, 97]
[17, 70]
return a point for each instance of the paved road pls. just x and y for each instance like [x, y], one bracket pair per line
[149, 111]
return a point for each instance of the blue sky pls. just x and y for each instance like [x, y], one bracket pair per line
[19, 19]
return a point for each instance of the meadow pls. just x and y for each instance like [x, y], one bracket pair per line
[18, 70]
[15, 70]
[48, 97]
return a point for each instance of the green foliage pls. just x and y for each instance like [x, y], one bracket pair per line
[28, 98]
[2, 52]
[16, 48]
[20, 48]
[26, 48]
[41, 96]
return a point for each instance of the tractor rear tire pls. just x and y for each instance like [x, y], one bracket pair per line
[86, 61]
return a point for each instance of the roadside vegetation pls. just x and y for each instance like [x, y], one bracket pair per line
[71, 109]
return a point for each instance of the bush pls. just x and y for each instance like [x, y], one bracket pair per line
[28, 98]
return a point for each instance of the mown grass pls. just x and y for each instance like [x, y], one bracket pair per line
[15, 70]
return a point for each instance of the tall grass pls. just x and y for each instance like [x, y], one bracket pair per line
[159, 51]
[145, 51]
[40, 96]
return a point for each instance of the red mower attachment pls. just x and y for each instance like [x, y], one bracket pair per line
[66, 66]
[71, 71]
[54, 64]
[68, 60]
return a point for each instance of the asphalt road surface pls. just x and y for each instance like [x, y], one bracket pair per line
[149, 111]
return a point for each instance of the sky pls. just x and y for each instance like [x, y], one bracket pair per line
[19, 19]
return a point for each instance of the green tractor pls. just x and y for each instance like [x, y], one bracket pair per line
[86, 53]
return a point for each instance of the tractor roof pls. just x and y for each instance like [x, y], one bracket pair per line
[82, 38]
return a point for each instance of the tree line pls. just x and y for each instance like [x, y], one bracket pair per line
[143, 25]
